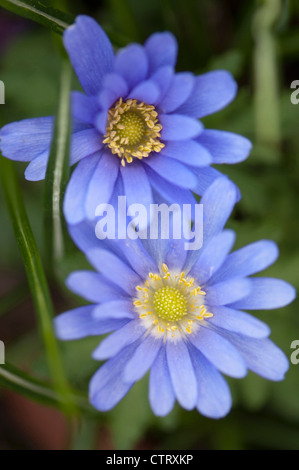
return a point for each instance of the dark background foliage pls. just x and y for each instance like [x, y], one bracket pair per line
[258, 41]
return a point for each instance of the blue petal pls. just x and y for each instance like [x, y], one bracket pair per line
[239, 322]
[27, 139]
[114, 269]
[163, 78]
[147, 92]
[225, 147]
[178, 127]
[248, 260]
[205, 177]
[37, 168]
[214, 398]
[79, 323]
[115, 309]
[212, 255]
[219, 351]
[267, 293]
[93, 287]
[136, 184]
[114, 87]
[83, 144]
[188, 152]
[107, 387]
[102, 183]
[178, 92]
[101, 122]
[132, 64]
[137, 257]
[218, 202]
[182, 373]
[118, 340]
[74, 201]
[227, 292]
[84, 108]
[161, 49]
[172, 171]
[262, 356]
[212, 92]
[170, 192]
[90, 51]
[83, 235]
[161, 394]
[142, 359]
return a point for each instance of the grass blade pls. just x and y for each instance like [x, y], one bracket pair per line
[58, 173]
[34, 10]
[36, 277]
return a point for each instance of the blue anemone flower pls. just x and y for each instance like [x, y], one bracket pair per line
[178, 314]
[135, 127]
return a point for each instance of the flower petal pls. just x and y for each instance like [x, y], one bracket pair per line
[227, 292]
[219, 351]
[248, 260]
[267, 293]
[169, 192]
[93, 287]
[27, 139]
[163, 78]
[214, 398]
[172, 171]
[262, 356]
[83, 144]
[114, 269]
[178, 92]
[147, 92]
[188, 152]
[136, 184]
[239, 322]
[74, 201]
[37, 168]
[218, 202]
[80, 323]
[161, 394]
[90, 51]
[131, 63]
[115, 309]
[212, 255]
[107, 387]
[212, 92]
[101, 184]
[84, 108]
[161, 49]
[178, 127]
[225, 147]
[114, 87]
[182, 373]
[114, 343]
[142, 359]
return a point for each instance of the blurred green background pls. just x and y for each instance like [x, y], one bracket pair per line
[258, 41]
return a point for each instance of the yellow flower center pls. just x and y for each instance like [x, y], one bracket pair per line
[133, 130]
[170, 304]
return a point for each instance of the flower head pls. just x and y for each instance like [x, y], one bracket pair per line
[178, 314]
[135, 127]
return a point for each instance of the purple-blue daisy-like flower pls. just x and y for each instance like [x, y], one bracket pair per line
[179, 314]
[135, 127]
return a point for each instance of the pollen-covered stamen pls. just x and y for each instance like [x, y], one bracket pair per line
[170, 304]
[133, 130]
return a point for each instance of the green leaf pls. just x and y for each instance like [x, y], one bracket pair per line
[37, 11]
[58, 173]
[36, 277]
[16, 380]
